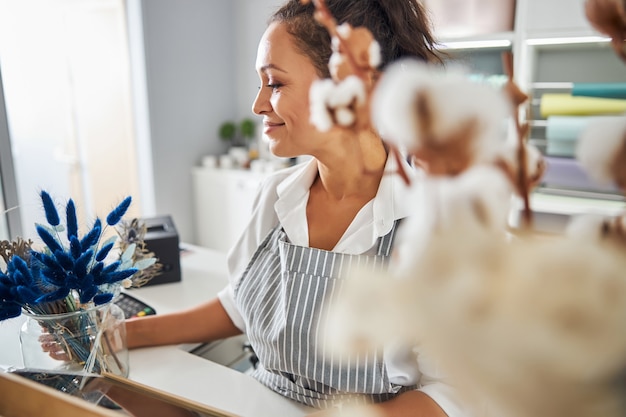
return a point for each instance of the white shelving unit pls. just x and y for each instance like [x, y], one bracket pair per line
[554, 46]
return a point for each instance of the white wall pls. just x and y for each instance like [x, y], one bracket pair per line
[199, 59]
[250, 22]
[192, 88]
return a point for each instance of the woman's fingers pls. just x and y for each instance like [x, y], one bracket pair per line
[55, 350]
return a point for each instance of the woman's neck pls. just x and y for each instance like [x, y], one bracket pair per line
[354, 167]
[348, 178]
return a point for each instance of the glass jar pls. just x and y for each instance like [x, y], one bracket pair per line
[88, 341]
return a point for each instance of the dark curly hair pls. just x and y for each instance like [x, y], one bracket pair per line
[401, 27]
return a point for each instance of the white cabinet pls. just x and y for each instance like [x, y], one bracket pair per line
[223, 200]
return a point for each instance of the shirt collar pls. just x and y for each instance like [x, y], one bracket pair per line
[376, 218]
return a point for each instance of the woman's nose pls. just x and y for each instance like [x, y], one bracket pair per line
[261, 103]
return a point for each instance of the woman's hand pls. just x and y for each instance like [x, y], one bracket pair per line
[50, 344]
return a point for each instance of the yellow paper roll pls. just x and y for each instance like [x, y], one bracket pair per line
[566, 104]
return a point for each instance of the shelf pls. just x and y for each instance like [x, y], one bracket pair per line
[502, 40]
[574, 39]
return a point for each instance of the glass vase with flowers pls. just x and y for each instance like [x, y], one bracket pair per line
[66, 289]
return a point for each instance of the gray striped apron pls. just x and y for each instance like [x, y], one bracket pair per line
[283, 296]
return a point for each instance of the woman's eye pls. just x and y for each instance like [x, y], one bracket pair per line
[274, 86]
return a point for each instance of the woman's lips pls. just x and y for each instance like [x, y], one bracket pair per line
[269, 127]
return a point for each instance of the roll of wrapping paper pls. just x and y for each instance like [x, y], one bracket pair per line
[568, 173]
[561, 148]
[565, 104]
[562, 132]
[606, 90]
[566, 128]
[569, 128]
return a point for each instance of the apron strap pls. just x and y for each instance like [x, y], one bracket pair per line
[385, 243]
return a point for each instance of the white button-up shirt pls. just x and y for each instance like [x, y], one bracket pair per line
[282, 199]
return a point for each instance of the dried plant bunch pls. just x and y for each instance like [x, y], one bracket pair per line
[355, 52]
[135, 251]
[19, 247]
[68, 271]
[343, 100]
[609, 17]
[532, 324]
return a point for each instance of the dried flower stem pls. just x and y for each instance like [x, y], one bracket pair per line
[518, 98]
[326, 19]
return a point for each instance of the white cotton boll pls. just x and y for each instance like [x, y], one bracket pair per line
[538, 331]
[473, 204]
[478, 199]
[365, 316]
[346, 91]
[344, 116]
[335, 61]
[598, 146]
[454, 100]
[392, 100]
[375, 54]
[344, 30]
[587, 227]
[320, 117]
[578, 295]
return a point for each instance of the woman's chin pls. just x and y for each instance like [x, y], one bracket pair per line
[277, 150]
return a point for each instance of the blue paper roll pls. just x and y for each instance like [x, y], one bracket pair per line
[605, 90]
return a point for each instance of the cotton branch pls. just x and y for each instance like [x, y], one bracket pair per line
[518, 98]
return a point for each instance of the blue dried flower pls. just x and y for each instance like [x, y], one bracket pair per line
[71, 220]
[93, 236]
[52, 216]
[18, 286]
[118, 212]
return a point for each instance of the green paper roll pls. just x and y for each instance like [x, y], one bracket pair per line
[606, 90]
[565, 104]
[563, 149]
[566, 128]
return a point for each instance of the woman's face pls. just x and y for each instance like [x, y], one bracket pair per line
[283, 98]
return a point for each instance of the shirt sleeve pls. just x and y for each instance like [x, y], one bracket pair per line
[433, 383]
[227, 298]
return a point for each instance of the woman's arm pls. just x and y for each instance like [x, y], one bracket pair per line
[204, 323]
[409, 404]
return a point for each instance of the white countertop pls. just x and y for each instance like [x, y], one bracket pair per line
[172, 368]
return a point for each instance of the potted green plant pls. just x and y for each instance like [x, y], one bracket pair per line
[227, 131]
[247, 129]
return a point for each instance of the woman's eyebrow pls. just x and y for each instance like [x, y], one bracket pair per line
[264, 68]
